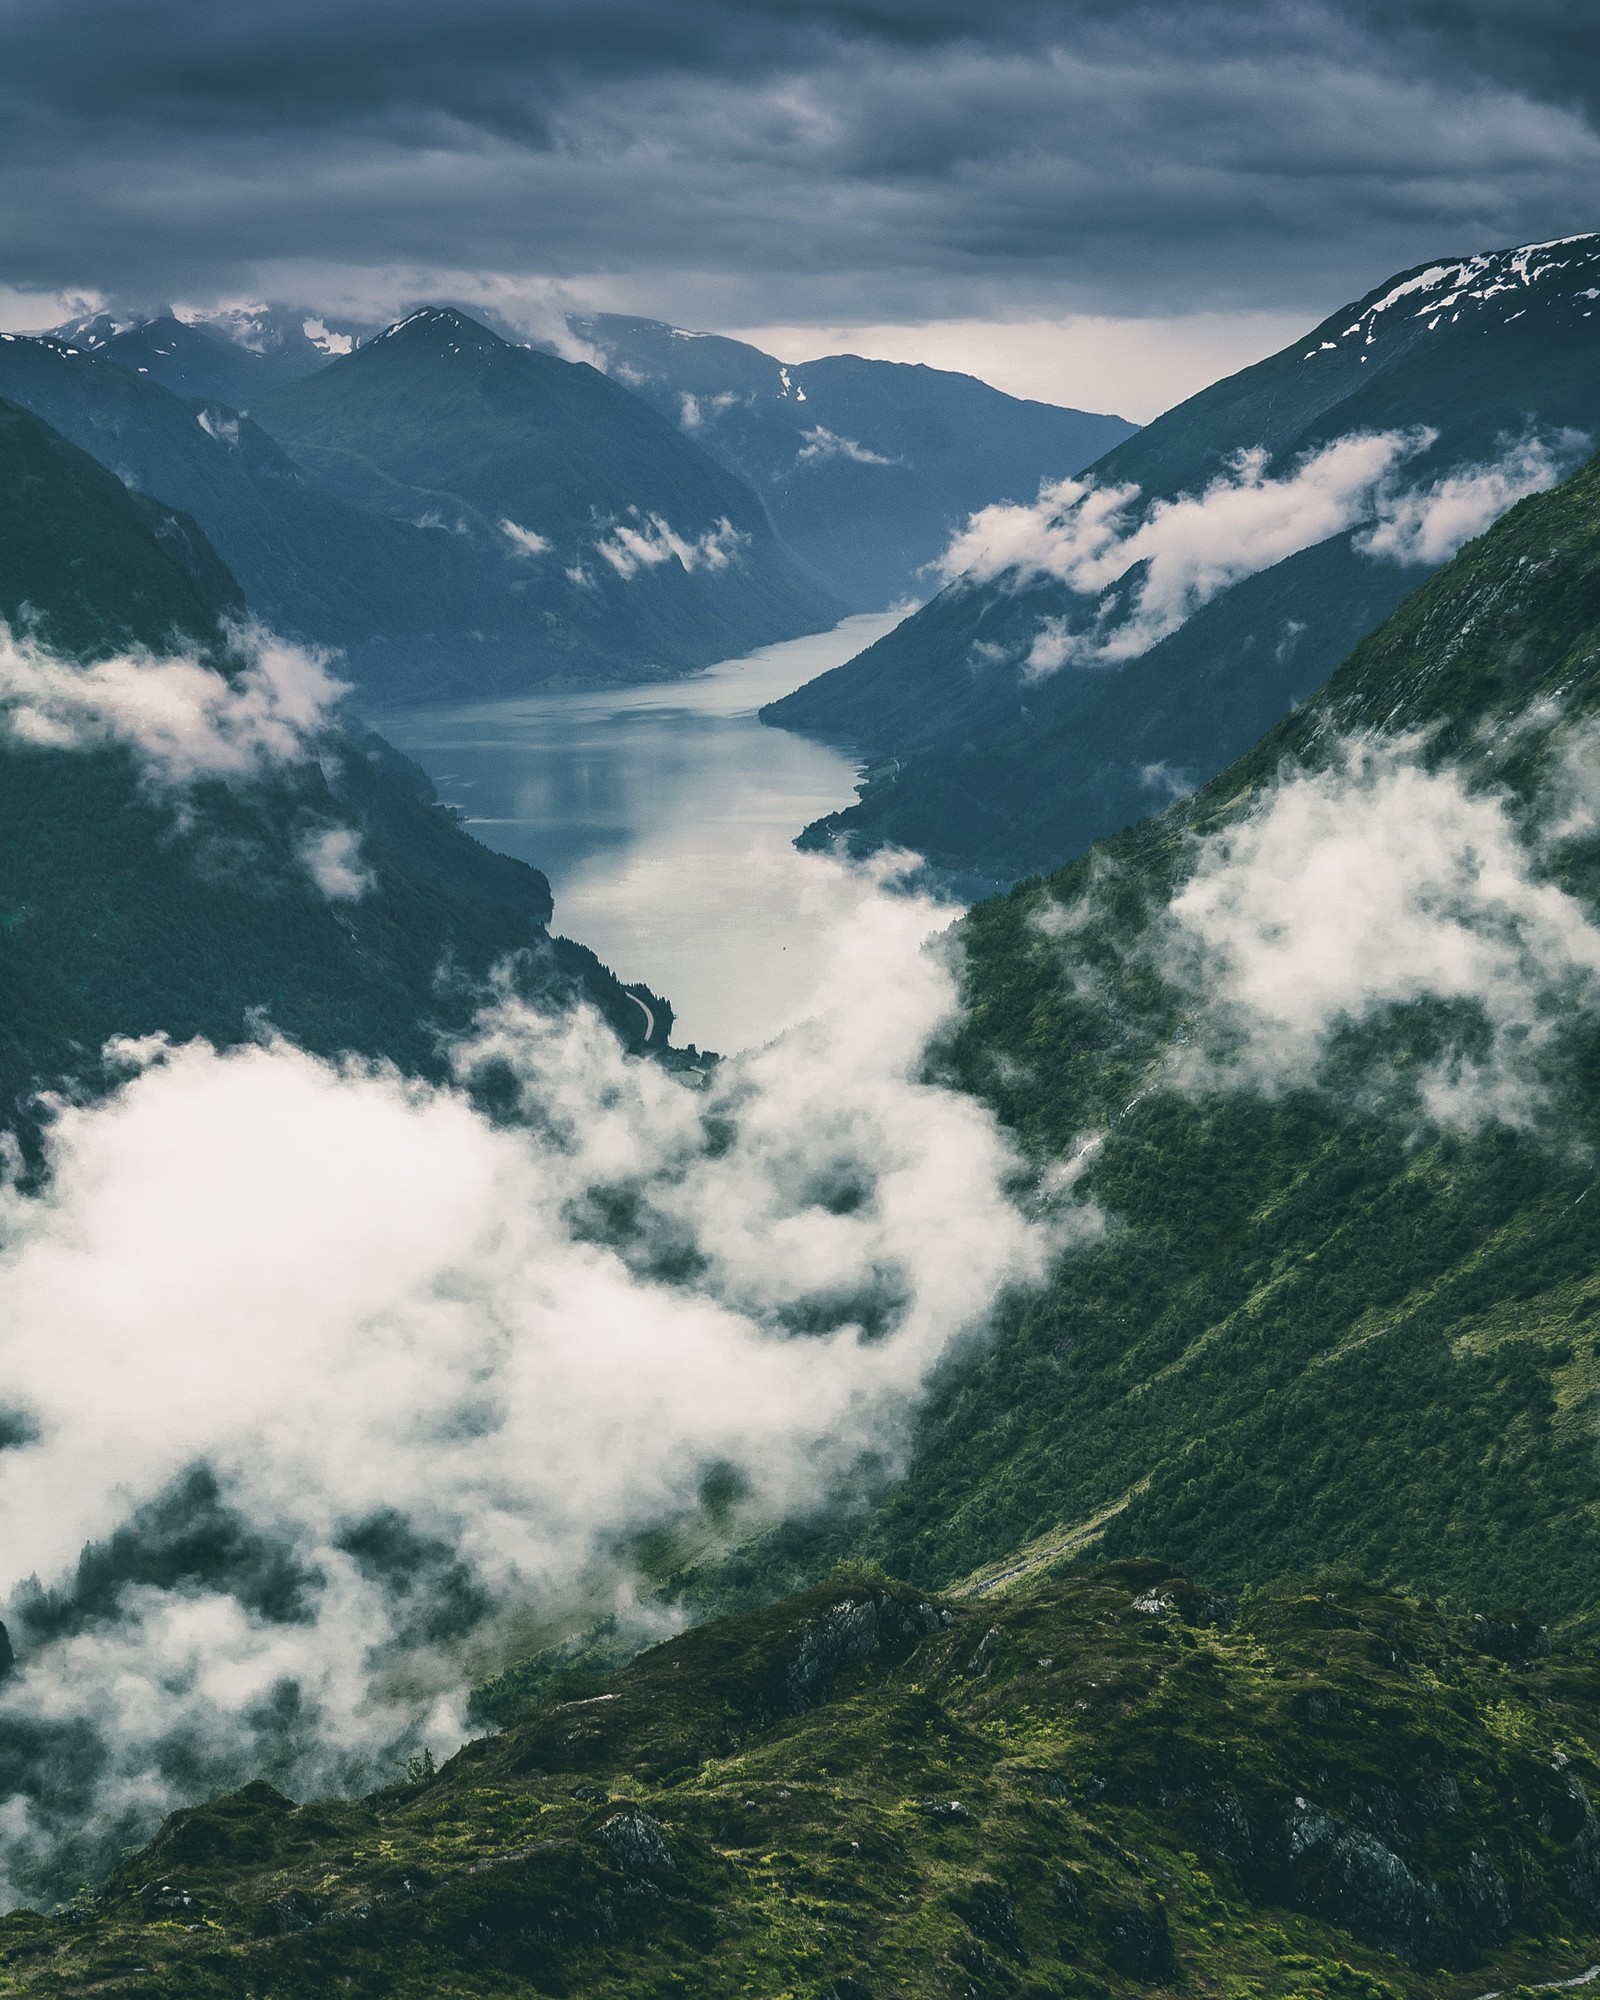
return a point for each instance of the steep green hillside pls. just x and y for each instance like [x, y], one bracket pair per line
[91, 566]
[867, 467]
[1320, 1324]
[1098, 1785]
[126, 908]
[117, 920]
[980, 767]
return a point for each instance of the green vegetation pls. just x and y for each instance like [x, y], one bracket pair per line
[128, 911]
[1321, 1339]
[1092, 1785]
[1318, 1328]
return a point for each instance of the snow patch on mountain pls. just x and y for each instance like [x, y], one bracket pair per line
[1446, 292]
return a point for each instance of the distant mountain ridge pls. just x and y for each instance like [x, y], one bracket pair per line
[420, 599]
[984, 765]
[867, 467]
[229, 355]
[600, 522]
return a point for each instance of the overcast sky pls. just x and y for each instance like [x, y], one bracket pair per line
[1099, 202]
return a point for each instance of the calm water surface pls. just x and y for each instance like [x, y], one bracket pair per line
[663, 816]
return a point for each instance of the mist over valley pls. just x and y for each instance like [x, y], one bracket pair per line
[797, 1151]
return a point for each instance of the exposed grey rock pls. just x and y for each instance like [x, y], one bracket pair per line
[1137, 1942]
[637, 1841]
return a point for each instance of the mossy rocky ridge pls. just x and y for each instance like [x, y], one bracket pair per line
[1097, 1783]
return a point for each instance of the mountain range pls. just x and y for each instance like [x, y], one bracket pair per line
[1234, 1626]
[133, 909]
[423, 592]
[867, 467]
[1124, 640]
[228, 357]
[601, 525]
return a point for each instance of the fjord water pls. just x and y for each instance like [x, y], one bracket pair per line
[664, 816]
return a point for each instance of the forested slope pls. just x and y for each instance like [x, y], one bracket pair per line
[1344, 1306]
[134, 908]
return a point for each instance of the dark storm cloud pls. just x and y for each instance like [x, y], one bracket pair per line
[744, 161]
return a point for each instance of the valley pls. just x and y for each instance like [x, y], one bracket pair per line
[803, 1441]
[664, 817]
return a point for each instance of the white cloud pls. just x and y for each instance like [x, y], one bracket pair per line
[1190, 549]
[1428, 524]
[182, 720]
[332, 344]
[1368, 885]
[215, 425]
[694, 411]
[821, 445]
[346, 1293]
[333, 860]
[525, 540]
[646, 541]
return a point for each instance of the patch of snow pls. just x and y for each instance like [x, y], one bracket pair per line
[316, 331]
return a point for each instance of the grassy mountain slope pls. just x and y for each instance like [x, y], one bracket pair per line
[1319, 1327]
[126, 910]
[1095, 1785]
[867, 467]
[980, 769]
[441, 419]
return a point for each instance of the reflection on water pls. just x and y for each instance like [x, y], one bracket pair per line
[664, 817]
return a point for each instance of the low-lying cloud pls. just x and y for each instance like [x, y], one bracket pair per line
[429, 1371]
[819, 445]
[1183, 552]
[646, 541]
[332, 858]
[1428, 524]
[183, 720]
[1370, 885]
[526, 541]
